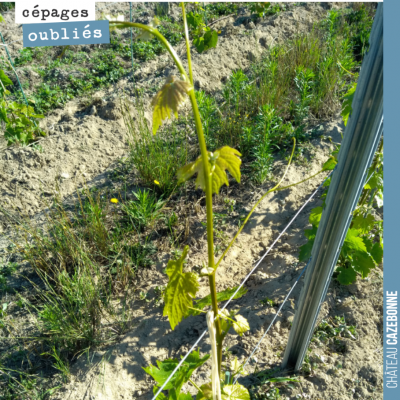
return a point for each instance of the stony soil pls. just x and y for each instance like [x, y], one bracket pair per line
[84, 144]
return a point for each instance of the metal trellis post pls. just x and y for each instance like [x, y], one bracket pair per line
[361, 138]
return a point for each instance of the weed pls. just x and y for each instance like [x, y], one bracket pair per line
[216, 10]
[19, 119]
[334, 329]
[362, 249]
[156, 158]
[159, 295]
[268, 301]
[7, 5]
[267, 382]
[144, 210]
[6, 270]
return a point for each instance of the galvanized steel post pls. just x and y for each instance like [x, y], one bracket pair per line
[360, 140]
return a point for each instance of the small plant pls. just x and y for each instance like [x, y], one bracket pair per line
[210, 168]
[156, 158]
[334, 328]
[268, 301]
[259, 8]
[5, 271]
[362, 248]
[204, 38]
[144, 210]
[19, 119]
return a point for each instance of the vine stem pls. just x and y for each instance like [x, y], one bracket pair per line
[206, 166]
[195, 386]
[187, 43]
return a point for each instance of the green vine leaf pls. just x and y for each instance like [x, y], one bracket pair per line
[161, 396]
[377, 252]
[220, 160]
[164, 368]
[363, 263]
[315, 216]
[168, 100]
[347, 103]
[241, 325]
[194, 20]
[181, 288]
[305, 251]
[375, 182]
[353, 242]
[237, 368]
[206, 392]
[364, 225]
[330, 164]
[5, 80]
[221, 296]
[206, 42]
[346, 275]
[226, 324]
[235, 392]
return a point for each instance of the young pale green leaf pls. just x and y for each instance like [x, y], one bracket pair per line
[199, 44]
[235, 392]
[348, 100]
[330, 164]
[206, 392]
[168, 100]
[185, 396]
[194, 20]
[315, 216]
[241, 325]
[181, 288]
[210, 39]
[327, 183]
[377, 252]
[5, 80]
[363, 263]
[221, 296]
[146, 36]
[161, 373]
[226, 323]
[364, 225]
[375, 182]
[161, 396]
[193, 361]
[220, 160]
[346, 275]
[236, 367]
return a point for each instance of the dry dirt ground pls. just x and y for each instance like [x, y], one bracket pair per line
[85, 144]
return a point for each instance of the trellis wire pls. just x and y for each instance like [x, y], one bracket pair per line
[237, 290]
[272, 322]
